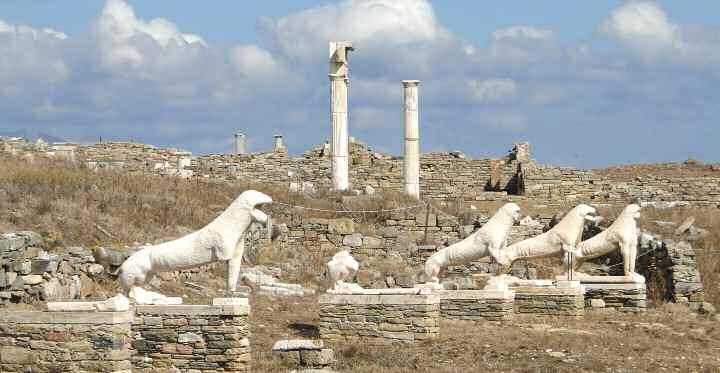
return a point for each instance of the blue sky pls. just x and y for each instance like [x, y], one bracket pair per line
[588, 83]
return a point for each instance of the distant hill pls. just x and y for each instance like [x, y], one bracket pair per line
[31, 136]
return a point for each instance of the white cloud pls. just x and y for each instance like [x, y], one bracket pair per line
[123, 37]
[30, 55]
[22, 30]
[524, 33]
[492, 89]
[642, 26]
[387, 21]
[250, 60]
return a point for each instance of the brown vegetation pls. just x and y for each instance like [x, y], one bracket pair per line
[76, 206]
[667, 339]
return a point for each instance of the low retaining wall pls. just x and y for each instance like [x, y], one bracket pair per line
[380, 318]
[192, 338]
[37, 341]
[550, 300]
[476, 305]
[627, 297]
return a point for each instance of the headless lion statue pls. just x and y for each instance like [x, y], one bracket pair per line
[221, 240]
[490, 240]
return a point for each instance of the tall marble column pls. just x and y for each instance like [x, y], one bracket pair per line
[338, 110]
[411, 148]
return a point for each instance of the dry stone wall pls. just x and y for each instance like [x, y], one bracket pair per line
[549, 300]
[477, 305]
[443, 176]
[191, 338]
[379, 318]
[29, 273]
[36, 341]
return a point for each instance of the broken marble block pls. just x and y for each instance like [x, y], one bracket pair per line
[304, 353]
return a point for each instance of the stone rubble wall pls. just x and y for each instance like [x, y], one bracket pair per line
[28, 273]
[379, 318]
[476, 305]
[549, 301]
[621, 297]
[448, 177]
[443, 176]
[400, 236]
[191, 338]
[37, 341]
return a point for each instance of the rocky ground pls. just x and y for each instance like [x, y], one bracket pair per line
[666, 338]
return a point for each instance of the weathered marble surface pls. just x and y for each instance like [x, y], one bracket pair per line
[489, 240]
[221, 240]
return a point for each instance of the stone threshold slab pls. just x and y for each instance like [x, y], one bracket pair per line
[475, 294]
[393, 291]
[389, 299]
[588, 279]
[541, 290]
[44, 317]
[614, 286]
[193, 310]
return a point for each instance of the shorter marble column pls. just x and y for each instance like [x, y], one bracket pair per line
[240, 146]
[279, 146]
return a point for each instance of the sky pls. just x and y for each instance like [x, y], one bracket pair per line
[587, 83]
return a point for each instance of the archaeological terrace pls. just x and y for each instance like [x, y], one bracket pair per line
[448, 176]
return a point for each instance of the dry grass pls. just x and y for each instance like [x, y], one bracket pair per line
[75, 206]
[666, 339]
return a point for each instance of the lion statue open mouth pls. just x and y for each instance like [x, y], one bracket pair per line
[221, 240]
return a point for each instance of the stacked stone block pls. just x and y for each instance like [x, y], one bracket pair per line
[35, 341]
[550, 300]
[379, 318]
[305, 355]
[192, 338]
[476, 305]
[628, 297]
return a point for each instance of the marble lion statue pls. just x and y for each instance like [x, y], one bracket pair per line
[563, 237]
[622, 234]
[489, 240]
[342, 267]
[221, 240]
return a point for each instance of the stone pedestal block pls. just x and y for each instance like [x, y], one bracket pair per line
[191, 338]
[38, 341]
[550, 300]
[379, 318]
[628, 297]
[476, 305]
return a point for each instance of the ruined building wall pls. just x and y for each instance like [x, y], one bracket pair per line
[443, 176]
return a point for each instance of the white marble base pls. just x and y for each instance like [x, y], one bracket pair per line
[144, 297]
[114, 304]
[590, 279]
[431, 286]
[393, 291]
[230, 302]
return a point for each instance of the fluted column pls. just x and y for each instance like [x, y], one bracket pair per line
[339, 143]
[411, 148]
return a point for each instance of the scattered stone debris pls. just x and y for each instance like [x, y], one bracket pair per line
[265, 280]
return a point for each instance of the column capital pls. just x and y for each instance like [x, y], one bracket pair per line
[410, 83]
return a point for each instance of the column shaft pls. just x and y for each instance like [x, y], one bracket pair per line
[411, 148]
